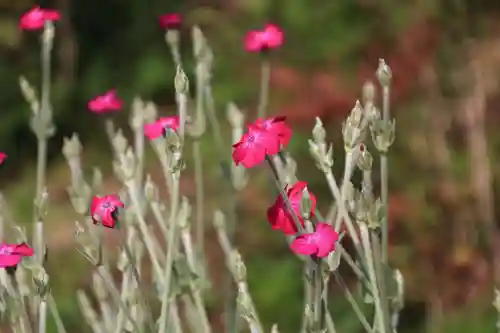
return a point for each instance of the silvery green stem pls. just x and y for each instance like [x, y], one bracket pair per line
[317, 293]
[43, 120]
[382, 284]
[198, 177]
[281, 188]
[149, 242]
[384, 179]
[18, 297]
[42, 316]
[155, 208]
[101, 270]
[226, 172]
[56, 315]
[348, 169]
[88, 312]
[339, 198]
[372, 275]
[167, 274]
[354, 304]
[264, 88]
[198, 301]
[182, 108]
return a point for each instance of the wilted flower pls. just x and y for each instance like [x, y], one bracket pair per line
[36, 17]
[263, 40]
[159, 127]
[170, 21]
[278, 214]
[11, 254]
[319, 243]
[104, 210]
[278, 127]
[254, 145]
[106, 103]
[3, 156]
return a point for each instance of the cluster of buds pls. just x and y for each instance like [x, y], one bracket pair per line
[322, 155]
[353, 127]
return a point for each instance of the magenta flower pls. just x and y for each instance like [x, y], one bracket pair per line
[319, 243]
[278, 127]
[104, 210]
[170, 21]
[108, 102]
[3, 156]
[159, 127]
[11, 254]
[263, 40]
[278, 215]
[253, 147]
[36, 17]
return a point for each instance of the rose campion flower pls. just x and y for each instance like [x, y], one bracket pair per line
[270, 37]
[159, 127]
[12, 254]
[253, 147]
[106, 103]
[319, 243]
[3, 156]
[170, 21]
[278, 214]
[104, 210]
[36, 17]
[278, 127]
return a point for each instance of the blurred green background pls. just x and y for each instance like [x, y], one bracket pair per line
[445, 58]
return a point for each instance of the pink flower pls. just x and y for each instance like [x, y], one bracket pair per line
[159, 127]
[3, 156]
[170, 21]
[104, 210]
[106, 103]
[253, 147]
[11, 254]
[262, 40]
[319, 243]
[35, 18]
[278, 214]
[278, 127]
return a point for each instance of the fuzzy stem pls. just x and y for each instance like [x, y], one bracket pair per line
[264, 88]
[167, 274]
[56, 315]
[384, 180]
[198, 176]
[42, 316]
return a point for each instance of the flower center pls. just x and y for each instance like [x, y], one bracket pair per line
[5, 250]
[251, 138]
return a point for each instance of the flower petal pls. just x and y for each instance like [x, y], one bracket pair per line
[303, 245]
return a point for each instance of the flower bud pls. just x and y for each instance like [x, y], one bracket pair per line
[365, 159]
[120, 142]
[150, 190]
[305, 204]
[238, 266]
[71, 147]
[384, 73]
[319, 133]
[383, 134]
[181, 82]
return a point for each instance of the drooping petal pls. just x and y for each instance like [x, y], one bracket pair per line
[23, 249]
[304, 245]
[9, 260]
[326, 239]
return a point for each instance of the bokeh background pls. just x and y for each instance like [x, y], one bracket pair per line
[445, 58]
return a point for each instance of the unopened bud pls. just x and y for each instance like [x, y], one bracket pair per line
[384, 73]
[181, 81]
